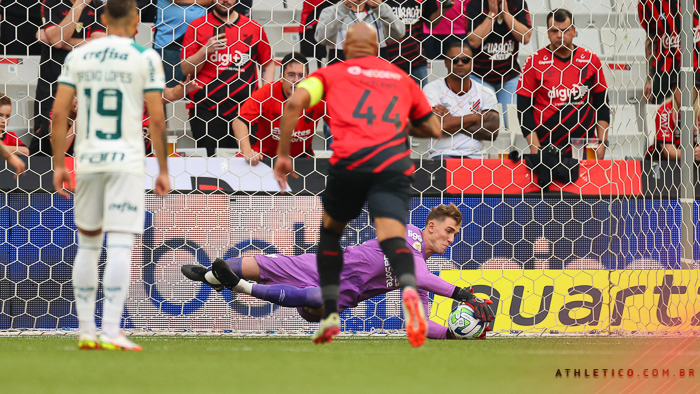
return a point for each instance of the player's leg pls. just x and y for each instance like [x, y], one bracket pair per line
[89, 192]
[343, 198]
[388, 202]
[123, 219]
[229, 273]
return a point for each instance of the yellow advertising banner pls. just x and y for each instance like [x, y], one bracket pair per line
[583, 300]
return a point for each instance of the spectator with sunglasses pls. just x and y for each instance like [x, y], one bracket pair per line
[467, 108]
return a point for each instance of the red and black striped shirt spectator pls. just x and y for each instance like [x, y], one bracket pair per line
[405, 53]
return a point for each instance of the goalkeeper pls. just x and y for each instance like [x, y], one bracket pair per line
[292, 281]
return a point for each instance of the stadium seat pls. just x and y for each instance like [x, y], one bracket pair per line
[144, 36]
[626, 138]
[538, 6]
[623, 44]
[586, 12]
[650, 122]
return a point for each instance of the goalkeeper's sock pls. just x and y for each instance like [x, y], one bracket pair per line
[329, 259]
[289, 296]
[236, 265]
[243, 286]
[116, 280]
[401, 260]
[85, 280]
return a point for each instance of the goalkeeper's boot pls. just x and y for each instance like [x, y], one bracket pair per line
[330, 327]
[198, 273]
[88, 342]
[416, 324]
[119, 343]
[224, 274]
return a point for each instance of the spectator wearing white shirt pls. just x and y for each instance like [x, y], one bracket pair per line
[467, 108]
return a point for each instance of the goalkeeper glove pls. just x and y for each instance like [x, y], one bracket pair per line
[482, 310]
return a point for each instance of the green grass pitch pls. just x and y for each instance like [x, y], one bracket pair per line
[294, 365]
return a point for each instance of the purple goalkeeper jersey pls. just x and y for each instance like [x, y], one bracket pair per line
[366, 273]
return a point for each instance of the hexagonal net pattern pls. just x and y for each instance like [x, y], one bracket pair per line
[579, 230]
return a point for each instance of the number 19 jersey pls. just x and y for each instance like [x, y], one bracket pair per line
[370, 102]
[110, 76]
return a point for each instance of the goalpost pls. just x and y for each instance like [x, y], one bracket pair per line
[615, 253]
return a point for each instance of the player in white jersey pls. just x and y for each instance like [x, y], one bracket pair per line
[111, 77]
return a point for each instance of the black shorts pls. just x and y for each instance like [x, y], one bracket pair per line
[662, 86]
[387, 193]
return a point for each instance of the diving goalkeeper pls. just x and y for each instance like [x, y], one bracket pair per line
[292, 281]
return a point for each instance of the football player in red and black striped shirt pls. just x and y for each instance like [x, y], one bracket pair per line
[373, 106]
[662, 21]
[223, 50]
[562, 93]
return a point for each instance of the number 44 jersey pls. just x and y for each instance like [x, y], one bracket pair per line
[110, 76]
[370, 102]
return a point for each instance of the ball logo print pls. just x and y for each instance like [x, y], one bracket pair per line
[463, 324]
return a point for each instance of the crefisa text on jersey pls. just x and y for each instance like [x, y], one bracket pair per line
[101, 157]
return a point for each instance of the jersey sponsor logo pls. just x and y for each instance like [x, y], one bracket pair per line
[664, 121]
[390, 279]
[297, 135]
[379, 74]
[107, 53]
[546, 60]
[125, 206]
[409, 15]
[582, 59]
[415, 236]
[238, 59]
[669, 41]
[499, 50]
[576, 93]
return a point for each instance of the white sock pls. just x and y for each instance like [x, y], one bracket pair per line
[209, 276]
[242, 286]
[116, 280]
[85, 280]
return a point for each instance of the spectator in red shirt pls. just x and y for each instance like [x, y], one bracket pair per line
[265, 107]
[562, 93]
[7, 137]
[667, 145]
[223, 50]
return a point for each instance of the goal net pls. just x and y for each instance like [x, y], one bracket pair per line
[613, 251]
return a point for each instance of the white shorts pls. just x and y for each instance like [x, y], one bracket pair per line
[111, 201]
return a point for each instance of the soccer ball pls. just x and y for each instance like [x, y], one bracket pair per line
[463, 324]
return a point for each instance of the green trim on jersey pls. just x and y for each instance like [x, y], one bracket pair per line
[153, 90]
[314, 86]
[66, 83]
[140, 48]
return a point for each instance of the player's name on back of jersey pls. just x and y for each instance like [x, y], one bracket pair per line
[107, 76]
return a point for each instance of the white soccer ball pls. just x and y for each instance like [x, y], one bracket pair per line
[463, 324]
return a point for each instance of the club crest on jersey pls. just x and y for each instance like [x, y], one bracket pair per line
[577, 92]
[79, 27]
[417, 246]
[238, 59]
[476, 107]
